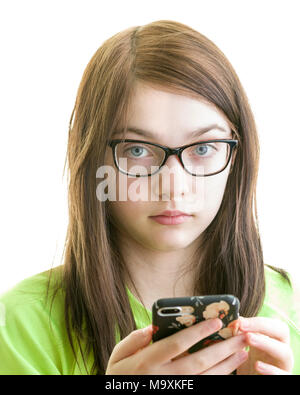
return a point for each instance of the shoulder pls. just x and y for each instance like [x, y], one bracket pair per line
[32, 294]
[31, 339]
[281, 302]
[278, 279]
[29, 290]
[281, 299]
[280, 291]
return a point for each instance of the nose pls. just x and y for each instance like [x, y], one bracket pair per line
[174, 165]
[164, 187]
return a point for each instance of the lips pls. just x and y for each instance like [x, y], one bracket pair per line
[169, 217]
[172, 213]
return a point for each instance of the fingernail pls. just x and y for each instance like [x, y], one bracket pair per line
[243, 323]
[242, 355]
[262, 367]
[253, 338]
[216, 324]
[146, 330]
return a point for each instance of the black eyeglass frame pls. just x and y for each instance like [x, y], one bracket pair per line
[172, 151]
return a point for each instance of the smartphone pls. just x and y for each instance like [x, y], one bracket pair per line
[170, 315]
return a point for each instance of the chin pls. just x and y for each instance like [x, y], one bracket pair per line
[168, 241]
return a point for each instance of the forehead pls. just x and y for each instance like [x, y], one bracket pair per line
[156, 108]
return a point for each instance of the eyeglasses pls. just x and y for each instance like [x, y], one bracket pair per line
[203, 159]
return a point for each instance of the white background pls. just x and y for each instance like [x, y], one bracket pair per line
[45, 47]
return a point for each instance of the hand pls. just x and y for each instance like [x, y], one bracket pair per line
[270, 352]
[135, 355]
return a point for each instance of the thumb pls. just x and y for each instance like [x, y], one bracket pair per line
[132, 343]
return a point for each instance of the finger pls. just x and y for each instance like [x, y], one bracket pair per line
[228, 365]
[132, 343]
[279, 351]
[267, 369]
[165, 349]
[208, 357]
[267, 326]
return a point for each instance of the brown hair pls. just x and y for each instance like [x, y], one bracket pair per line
[178, 58]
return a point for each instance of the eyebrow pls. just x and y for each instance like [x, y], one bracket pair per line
[195, 133]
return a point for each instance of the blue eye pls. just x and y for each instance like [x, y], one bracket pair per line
[134, 150]
[202, 149]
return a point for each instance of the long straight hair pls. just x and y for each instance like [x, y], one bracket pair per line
[175, 57]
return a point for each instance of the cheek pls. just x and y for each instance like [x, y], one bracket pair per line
[128, 211]
[133, 191]
[131, 219]
[214, 192]
[125, 213]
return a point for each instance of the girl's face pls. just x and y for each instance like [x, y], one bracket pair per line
[170, 118]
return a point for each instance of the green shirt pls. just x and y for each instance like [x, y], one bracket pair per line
[34, 342]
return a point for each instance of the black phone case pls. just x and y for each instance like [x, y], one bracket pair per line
[193, 310]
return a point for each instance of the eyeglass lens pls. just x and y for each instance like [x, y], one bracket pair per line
[201, 159]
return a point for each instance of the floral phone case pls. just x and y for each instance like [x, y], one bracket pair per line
[173, 314]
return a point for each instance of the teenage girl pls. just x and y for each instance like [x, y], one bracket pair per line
[163, 160]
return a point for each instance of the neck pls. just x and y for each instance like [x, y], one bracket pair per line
[153, 274]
